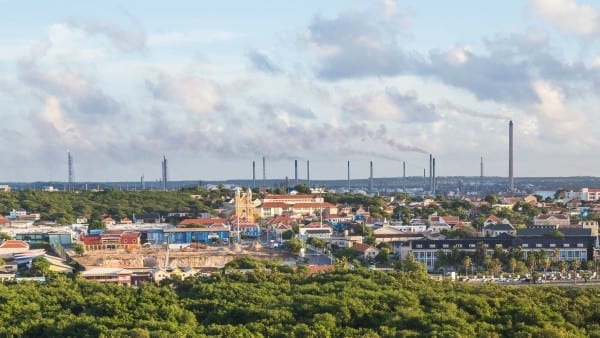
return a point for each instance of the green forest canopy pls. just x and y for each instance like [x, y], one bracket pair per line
[294, 304]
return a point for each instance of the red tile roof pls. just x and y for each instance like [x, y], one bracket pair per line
[14, 244]
[274, 205]
[361, 247]
[290, 197]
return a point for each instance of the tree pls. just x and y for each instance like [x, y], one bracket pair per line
[467, 263]
[302, 188]
[294, 245]
[512, 264]
[41, 265]
[79, 249]
[4, 236]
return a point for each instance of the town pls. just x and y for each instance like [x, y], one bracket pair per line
[503, 238]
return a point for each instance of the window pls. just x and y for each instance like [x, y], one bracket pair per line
[553, 245]
[538, 245]
[526, 245]
[419, 246]
[472, 245]
[432, 246]
[566, 245]
[445, 246]
[580, 245]
[458, 246]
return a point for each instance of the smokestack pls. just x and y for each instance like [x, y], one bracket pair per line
[164, 173]
[434, 183]
[141, 180]
[481, 175]
[424, 181]
[287, 184]
[296, 171]
[403, 176]
[253, 174]
[70, 164]
[430, 172]
[510, 157]
[264, 173]
[371, 177]
[348, 176]
[308, 173]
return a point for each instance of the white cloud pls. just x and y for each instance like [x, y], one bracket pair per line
[569, 16]
[193, 94]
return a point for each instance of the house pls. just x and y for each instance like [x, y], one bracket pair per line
[153, 217]
[248, 229]
[366, 251]
[497, 229]
[315, 230]
[159, 274]
[10, 247]
[4, 222]
[179, 214]
[4, 187]
[558, 220]
[16, 214]
[125, 221]
[109, 221]
[108, 275]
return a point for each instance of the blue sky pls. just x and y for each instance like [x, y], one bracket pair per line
[216, 85]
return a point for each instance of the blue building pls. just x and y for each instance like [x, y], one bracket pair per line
[52, 238]
[197, 235]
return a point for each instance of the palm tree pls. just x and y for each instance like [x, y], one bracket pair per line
[512, 265]
[562, 266]
[467, 262]
[545, 262]
[575, 264]
[555, 254]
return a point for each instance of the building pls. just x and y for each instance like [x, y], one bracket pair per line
[557, 220]
[366, 251]
[584, 194]
[244, 206]
[218, 233]
[10, 247]
[570, 248]
[315, 230]
[113, 240]
[53, 238]
[108, 275]
[4, 187]
[497, 229]
[305, 204]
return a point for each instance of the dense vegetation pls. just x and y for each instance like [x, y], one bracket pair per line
[294, 304]
[64, 207]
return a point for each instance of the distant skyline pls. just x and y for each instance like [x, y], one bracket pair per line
[216, 85]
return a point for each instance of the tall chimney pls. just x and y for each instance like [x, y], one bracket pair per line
[510, 158]
[253, 174]
[348, 176]
[371, 178]
[308, 173]
[403, 176]
[430, 172]
[433, 184]
[296, 171]
[264, 172]
[481, 175]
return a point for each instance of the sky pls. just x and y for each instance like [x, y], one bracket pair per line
[215, 85]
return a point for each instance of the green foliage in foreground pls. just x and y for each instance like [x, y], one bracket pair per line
[263, 304]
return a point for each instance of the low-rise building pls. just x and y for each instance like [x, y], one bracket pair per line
[108, 275]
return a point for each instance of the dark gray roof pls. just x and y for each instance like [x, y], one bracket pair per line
[500, 227]
[546, 231]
